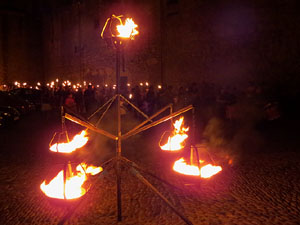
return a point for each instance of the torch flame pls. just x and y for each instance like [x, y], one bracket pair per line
[73, 187]
[128, 29]
[179, 135]
[206, 171]
[78, 141]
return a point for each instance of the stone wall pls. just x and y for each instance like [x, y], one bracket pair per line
[21, 56]
[231, 42]
[225, 42]
[228, 43]
[74, 49]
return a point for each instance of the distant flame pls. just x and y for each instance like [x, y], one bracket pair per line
[128, 29]
[206, 171]
[179, 135]
[78, 141]
[73, 187]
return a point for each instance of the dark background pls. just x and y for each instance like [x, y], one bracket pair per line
[224, 42]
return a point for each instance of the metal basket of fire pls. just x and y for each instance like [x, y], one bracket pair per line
[191, 162]
[196, 164]
[70, 183]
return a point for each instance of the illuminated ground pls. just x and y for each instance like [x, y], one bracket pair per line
[263, 188]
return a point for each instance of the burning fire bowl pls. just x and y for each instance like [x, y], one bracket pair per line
[190, 179]
[65, 202]
[65, 157]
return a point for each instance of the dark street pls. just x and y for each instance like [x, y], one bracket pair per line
[261, 188]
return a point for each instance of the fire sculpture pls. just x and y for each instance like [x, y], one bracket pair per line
[72, 186]
[78, 141]
[204, 171]
[175, 141]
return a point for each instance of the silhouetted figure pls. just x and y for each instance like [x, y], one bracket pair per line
[89, 99]
[150, 100]
[79, 101]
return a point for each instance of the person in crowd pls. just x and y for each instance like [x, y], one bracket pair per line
[150, 99]
[89, 99]
[79, 101]
[70, 102]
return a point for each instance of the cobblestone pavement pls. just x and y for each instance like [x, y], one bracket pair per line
[263, 188]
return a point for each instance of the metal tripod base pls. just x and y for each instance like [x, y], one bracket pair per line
[133, 168]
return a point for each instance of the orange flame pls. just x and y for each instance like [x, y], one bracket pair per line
[78, 141]
[179, 135]
[73, 186]
[206, 171]
[128, 30]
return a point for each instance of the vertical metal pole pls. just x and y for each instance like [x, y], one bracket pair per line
[65, 179]
[194, 138]
[171, 120]
[118, 147]
[194, 127]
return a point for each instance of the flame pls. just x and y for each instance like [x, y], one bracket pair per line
[175, 142]
[73, 187]
[128, 30]
[206, 171]
[78, 141]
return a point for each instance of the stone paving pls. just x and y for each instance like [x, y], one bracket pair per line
[263, 188]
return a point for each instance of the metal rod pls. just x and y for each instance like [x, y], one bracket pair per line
[198, 158]
[90, 126]
[110, 100]
[65, 179]
[101, 117]
[158, 121]
[171, 120]
[192, 155]
[70, 168]
[194, 127]
[149, 119]
[168, 203]
[119, 193]
[133, 164]
[136, 108]
[63, 124]
[118, 147]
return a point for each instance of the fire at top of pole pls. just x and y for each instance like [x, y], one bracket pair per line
[128, 30]
[114, 27]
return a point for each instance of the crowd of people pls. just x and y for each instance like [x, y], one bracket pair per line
[150, 99]
[207, 98]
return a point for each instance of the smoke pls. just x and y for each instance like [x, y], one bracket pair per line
[232, 138]
[101, 148]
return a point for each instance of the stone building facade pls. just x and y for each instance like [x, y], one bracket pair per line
[20, 43]
[225, 42]
[74, 49]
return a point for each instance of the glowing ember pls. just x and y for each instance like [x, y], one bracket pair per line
[73, 187]
[128, 30]
[206, 171]
[179, 135]
[78, 141]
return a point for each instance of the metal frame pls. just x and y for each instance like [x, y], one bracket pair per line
[119, 160]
